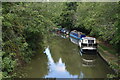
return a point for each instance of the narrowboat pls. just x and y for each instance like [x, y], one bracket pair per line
[63, 30]
[77, 35]
[88, 44]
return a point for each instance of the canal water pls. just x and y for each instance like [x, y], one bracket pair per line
[62, 59]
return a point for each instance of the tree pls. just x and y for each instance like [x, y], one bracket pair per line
[68, 16]
[99, 18]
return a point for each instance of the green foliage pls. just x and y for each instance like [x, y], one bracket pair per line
[100, 18]
[111, 76]
[23, 26]
[68, 17]
[8, 65]
[71, 6]
[117, 70]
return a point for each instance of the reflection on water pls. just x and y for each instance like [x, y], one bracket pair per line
[61, 35]
[62, 59]
[88, 60]
[57, 70]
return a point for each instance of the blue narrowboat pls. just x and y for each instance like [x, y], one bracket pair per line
[77, 35]
[85, 43]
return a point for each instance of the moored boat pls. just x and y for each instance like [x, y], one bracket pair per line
[63, 30]
[88, 44]
[76, 34]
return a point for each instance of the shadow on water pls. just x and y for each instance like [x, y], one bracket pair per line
[37, 68]
[62, 59]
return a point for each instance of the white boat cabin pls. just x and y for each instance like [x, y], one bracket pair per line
[88, 43]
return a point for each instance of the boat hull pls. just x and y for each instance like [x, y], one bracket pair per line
[89, 48]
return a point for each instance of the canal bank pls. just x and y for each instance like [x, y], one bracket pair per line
[110, 56]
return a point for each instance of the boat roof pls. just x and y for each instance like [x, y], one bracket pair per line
[75, 31]
[89, 38]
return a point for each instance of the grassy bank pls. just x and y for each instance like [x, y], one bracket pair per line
[111, 57]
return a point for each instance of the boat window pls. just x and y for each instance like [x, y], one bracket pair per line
[90, 41]
[85, 40]
[84, 45]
